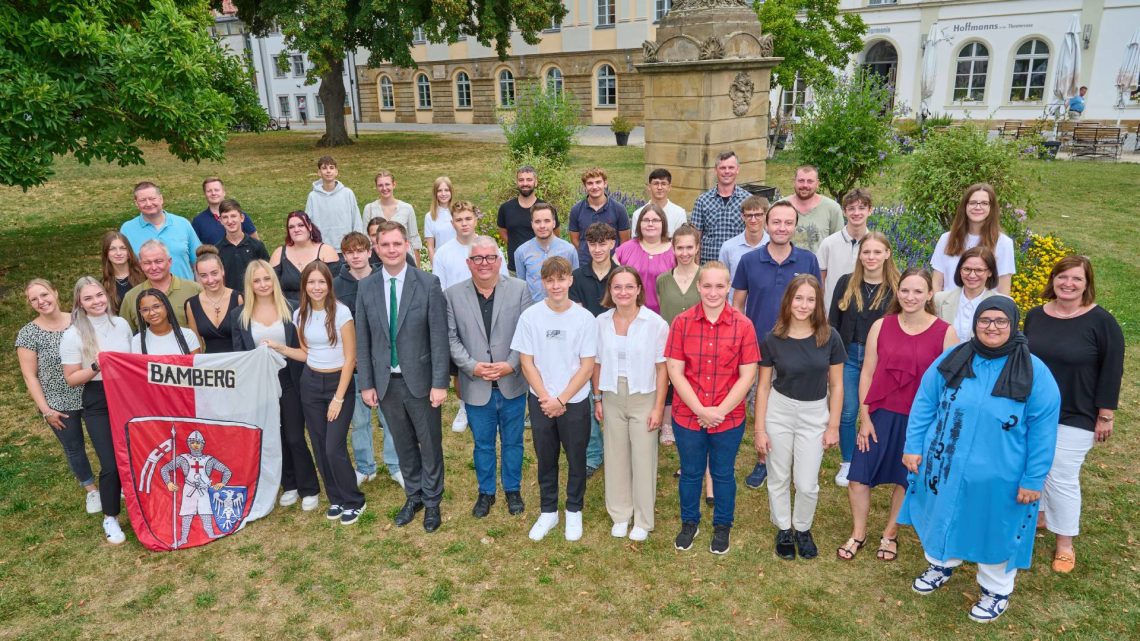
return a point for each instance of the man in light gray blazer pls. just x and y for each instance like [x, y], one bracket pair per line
[481, 316]
[402, 366]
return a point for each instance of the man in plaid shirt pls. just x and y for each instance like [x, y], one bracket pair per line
[717, 211]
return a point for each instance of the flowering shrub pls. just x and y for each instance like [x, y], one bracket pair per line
[1036, 256]
[912, 235]
[631, 201]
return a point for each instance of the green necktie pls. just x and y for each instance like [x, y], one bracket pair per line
[393, 311]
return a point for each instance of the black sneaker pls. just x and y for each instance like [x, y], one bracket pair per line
[756, 479]
[785, 545]
[591, 471]
[719, 543]
[483, 505]
[349, 515]
[515, 503]
[805, 546]
[334, 512]
[685, 538]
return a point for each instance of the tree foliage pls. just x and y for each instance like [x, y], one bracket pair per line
[846, 132]
[811, 36]
[327, 29]
[93, 78]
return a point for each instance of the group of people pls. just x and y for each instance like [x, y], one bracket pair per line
[656, 328]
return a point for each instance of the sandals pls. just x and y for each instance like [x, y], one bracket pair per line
[845, 553]
[1064, 562]
[884, 553]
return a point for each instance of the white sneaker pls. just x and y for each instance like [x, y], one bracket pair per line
[638, 534]
[288, 498]
[114, 533]
[310, 503]
[460, 422]
[573, 525]
[94, 502]
[361, 479]
[545, 523]
[841, 476]
[398, 477]
[618, 531]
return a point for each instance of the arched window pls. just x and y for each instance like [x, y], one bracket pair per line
[1029, 67]
[970, 77]
[387, 94]
[506, 88]
[883, 59]
[607, 86]
[423, 91]
[554, 80]
[462, 90]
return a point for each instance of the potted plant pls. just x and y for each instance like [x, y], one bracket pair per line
[621, 128]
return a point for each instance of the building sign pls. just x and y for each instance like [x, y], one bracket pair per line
[878, 30]
[975, 27]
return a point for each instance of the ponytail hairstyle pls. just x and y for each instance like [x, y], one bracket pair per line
[305, 309]
[89, 344]
[854, 291]
[135, 274]
[170, 317]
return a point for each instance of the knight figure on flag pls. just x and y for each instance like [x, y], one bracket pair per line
[197, 468]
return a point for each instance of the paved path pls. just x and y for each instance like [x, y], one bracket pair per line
[592, 136]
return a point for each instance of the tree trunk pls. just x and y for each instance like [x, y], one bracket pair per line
[331, 94]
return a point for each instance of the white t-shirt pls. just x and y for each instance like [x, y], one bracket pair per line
[112, 334]
[558, 342]
[441, 228]
[1003, 252]
[164, 345]
[450, 264]
[837, 256]
[674, 215]
[322, 353]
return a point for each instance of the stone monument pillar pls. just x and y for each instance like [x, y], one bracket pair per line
[706, 84]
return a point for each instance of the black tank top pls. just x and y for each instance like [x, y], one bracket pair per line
[216, 339]
[290, 276]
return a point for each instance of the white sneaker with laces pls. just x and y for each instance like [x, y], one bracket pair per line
[361, 479]
[460, 422]
[990, 606]
[114, 533]
[288, 498]
[573, 525]
[841, 476]
[310, 503]
[398, 477]
[545, 523]
[94, 502]
[618, 531]
[638, 534]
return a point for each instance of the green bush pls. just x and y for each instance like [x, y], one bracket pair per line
[949, 161]
[557, 185]
[846, 133]
[545, 123]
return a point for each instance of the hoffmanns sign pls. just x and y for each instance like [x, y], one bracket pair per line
[973, 27]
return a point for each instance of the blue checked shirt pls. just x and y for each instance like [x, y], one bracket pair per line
[718, 219]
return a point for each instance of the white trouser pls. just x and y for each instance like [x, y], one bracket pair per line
[1061, 498]
[795, 431]
[991, 576]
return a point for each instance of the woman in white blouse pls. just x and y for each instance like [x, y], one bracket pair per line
[389, 208]
[159, 332]
[976, 278]
[437, 223]
[630, 383]
[976, 223]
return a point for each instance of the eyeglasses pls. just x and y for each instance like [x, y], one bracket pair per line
[1000, 323]
[651, 221]
[483, 260]
[751, 216]
[976, 271]
[978, 203]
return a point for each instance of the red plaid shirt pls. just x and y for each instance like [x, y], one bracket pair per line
[713, 354]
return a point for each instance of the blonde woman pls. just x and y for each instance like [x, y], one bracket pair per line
[437, 223]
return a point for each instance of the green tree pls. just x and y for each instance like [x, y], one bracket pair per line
[93, 78]
[545, 123]
[813, 39]
[327, 29]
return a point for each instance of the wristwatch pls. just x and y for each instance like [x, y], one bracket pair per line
[95, 366]
[596, 397]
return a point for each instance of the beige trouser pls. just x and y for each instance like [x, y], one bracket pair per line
[630, 455]
[795, 430]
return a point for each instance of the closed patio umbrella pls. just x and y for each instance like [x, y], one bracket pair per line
[1129, 69]
[929, 69]
[1067, 80]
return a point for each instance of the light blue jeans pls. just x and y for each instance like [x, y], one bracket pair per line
[596, 447]
[850, 414]
[361, 432]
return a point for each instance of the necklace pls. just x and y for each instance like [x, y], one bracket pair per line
[217, 303]
[1059, 314]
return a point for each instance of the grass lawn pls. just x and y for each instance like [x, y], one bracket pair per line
[295, 575]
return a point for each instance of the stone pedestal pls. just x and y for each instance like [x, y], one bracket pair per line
[706, 84]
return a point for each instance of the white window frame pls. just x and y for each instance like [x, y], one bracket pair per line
[387, 94]
[795, 98]
[418, 37]
[284, 107]
[661, 9]
[607, 13]
[423, 91]
[1023, 94]
[462, 90]
[974, 80]
[297, 65]
[506, 84]
[556, 79]
[604, 91]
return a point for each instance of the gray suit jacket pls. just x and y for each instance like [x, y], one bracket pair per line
[421, 334]
[469, 344]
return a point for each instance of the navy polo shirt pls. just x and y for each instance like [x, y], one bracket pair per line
[210, 231]
[582, 215]
[766, 280]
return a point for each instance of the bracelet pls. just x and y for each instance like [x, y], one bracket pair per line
[560, 401]
[337, 400]
[596, 397]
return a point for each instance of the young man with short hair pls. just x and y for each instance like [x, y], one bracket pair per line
[596, 207]
[557, 343]
[531, 255]
[450, 263]
[331, 205]
[838, 252]
[752, 212]
[716, 212]
[208, 223]
[820, 216]
[660, 182]
[237, 249]
[514, 215]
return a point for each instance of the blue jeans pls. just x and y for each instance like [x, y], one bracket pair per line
[596, 447]
[502, 417]
[698, 449]
[850, 413]
[362, 439]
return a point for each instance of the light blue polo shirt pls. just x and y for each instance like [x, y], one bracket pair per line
[176, 233]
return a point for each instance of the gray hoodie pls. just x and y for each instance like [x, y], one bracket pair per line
[334, 212]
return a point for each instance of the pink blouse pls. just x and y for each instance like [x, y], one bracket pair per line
[648, 266]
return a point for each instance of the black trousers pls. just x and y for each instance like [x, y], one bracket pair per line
[99, 429]
[417, 431]
[329, 438]
[569, 432]
[297, 469]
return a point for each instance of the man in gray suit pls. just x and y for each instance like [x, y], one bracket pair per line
[402, 366]
[481, 316]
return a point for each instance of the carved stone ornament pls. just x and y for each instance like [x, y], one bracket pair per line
[741, 93]
[767, 46]
[649, 49]
[712, 49]
[692, 5]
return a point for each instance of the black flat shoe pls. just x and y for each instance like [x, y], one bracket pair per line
[432, 519]
[785, 545]
[515, 503]
[483, 505]
[805, 545]
[408, 512]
